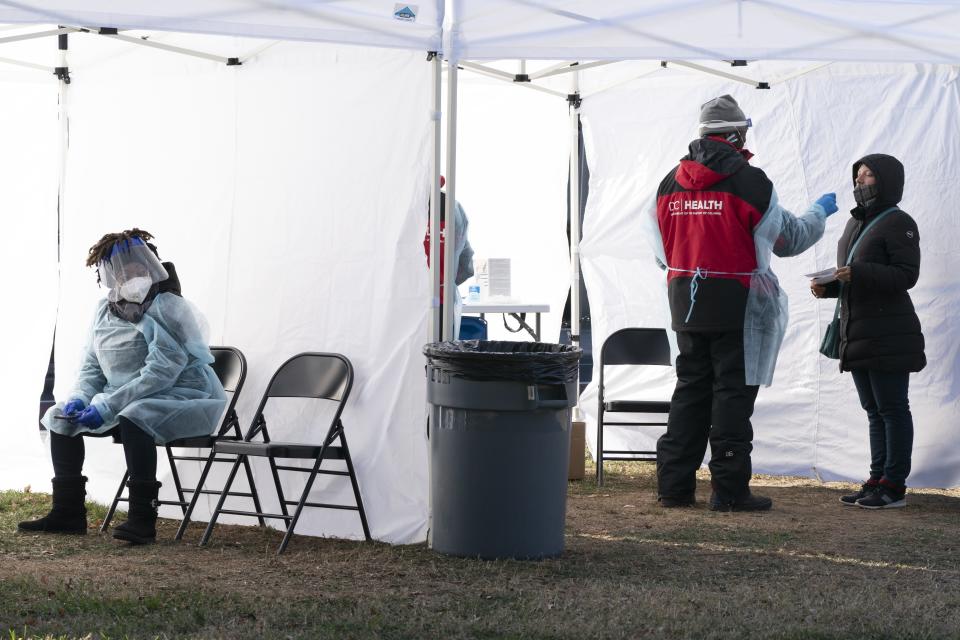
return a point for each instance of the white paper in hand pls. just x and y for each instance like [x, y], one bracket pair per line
[822, 277]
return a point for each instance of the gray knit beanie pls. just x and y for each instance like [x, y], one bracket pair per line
[722, 115]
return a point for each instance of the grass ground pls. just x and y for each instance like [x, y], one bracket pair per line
[809, 569]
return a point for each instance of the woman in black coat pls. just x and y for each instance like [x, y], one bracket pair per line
[880, 338]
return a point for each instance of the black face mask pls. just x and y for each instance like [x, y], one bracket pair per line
[866, 194]
[736, 138]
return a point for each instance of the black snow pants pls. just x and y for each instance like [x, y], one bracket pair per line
[711, 402]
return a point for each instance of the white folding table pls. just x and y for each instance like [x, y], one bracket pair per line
[513, 309]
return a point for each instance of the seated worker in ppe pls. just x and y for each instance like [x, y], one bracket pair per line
[145, 376]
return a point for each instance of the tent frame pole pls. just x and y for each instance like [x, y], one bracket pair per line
[571, 67]
[756, 84]
[63, 140]
[435, 321]
[38, 34]
[574, 208]
[27, 65]
[450, 219]
[507, 77]
[145, 42]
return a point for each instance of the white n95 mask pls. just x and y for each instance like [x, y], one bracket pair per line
[136, 289]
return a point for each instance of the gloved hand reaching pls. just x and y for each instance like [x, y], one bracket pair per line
[72, 407]
[829, 203]
[89, 417]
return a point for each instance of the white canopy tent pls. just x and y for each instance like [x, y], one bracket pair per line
[807, 133]
[293, 204]
[258, 187]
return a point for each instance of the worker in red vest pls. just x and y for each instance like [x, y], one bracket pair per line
[719, 221]
[462, 255]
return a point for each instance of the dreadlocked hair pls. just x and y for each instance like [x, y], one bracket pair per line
[101, 250]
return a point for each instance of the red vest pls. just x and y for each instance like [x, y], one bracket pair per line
[707, 209]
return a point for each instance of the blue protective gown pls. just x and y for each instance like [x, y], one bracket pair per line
[155, 373]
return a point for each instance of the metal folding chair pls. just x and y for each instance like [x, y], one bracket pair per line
[322, 376]
[631, 346]
[231, 368]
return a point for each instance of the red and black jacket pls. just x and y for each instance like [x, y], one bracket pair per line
[707, 208]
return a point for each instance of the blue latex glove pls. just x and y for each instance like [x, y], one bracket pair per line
[829, 203]
[89, 417]
[72, 407]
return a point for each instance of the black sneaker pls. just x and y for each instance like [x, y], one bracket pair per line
[851, 498]
[672, 502]
[884, 497]
[749, 502]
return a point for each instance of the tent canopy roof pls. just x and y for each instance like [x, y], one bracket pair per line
[838, 30]
[365, 22]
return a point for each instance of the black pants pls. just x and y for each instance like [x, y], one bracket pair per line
[711, 402]
[138, 448]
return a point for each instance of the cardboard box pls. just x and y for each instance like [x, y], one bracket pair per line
[578, 450]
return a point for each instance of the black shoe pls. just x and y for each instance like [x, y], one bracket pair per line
[141, 525]
[851, 498]
[884, 497]
[672, 502]
[68, 515]
[749, 502]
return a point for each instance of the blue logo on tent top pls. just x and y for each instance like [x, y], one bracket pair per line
[405, 12]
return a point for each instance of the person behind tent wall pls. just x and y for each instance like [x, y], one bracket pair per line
[462, 255]
[145, 378]
[881, 342]
[716, 222]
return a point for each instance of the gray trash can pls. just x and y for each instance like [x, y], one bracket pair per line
[499, 446]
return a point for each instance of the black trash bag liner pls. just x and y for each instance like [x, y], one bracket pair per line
[484, 360]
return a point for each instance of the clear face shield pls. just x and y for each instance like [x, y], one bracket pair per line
[130, 271]
[734, 132]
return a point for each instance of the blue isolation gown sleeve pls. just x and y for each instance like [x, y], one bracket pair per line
[797, 233]
[164, 361]
[463, 252]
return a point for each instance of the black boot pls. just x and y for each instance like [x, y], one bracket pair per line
[141, 525]
[68, 515]
[746, 502]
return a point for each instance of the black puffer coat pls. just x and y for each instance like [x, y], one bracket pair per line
[879, 328]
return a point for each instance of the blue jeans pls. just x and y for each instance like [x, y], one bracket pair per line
[883, 396]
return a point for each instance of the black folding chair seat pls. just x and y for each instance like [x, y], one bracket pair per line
[637, 406]
[320, 376]
[231, 368]
[199, 442]
[630, 346]
[281, 450]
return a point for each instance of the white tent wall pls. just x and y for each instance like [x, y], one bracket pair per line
[515, 139]
[28, 241]
[807, 133]
[290, 193]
